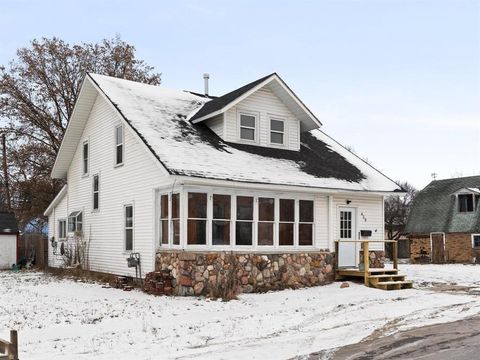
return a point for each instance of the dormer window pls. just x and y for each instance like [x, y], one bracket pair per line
[248, 127]
[277, 131]
[467, 202]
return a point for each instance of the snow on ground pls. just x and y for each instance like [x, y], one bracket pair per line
[65, 319]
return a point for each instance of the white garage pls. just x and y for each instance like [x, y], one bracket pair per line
[8, 240]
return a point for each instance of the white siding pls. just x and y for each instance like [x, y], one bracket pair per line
[131, 183]
[321, 222]
[8, 251]
[216, 124]
[60, 212]
[266, 104]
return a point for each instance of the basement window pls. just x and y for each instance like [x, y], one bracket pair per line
[476, 241]
[466, 203]
[75, 221]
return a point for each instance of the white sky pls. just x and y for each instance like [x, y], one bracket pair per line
[399, 81]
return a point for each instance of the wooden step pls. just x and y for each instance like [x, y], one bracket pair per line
[393, 285]
[382, 271]
[386, 278]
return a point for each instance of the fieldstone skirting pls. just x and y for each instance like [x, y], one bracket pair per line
[205, 273]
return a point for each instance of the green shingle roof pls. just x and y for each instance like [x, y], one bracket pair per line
[434, 208]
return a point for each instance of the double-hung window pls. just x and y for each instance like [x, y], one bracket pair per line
[244, 223]
[197, 219]
[176, 219]
[221, 220]
[164, 219]
[96, 192]
[248, 127]
[476, 241]
[119, 150]
[286, 228]
[266, 221]
[85, 158]
[62, 229]
[128, 212]
[305, 225]
[277, 132]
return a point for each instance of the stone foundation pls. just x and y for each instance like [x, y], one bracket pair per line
[207, 273]
[377, 258]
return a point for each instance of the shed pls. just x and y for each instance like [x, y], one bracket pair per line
[8, 240]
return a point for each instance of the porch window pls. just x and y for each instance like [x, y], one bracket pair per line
[85, 158]
[75, 221]
[221, 220]
[197, 219]
[277, 131]
[248, 127]
[287, 222]
[244, 223]
[266, 218]
[128, 227]
[476, 241]
[305, 226]
[96, 192]
[119, 145]
[176, 219]
[62, 229]
[164, 219]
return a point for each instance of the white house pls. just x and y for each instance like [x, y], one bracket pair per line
[179, 177]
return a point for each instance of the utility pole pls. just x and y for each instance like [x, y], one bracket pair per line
[5, 172]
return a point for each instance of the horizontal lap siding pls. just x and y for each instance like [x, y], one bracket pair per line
[60, 212]
[131, 183]
[216, 124]
[321, 222]
[267, 104]
[372, 219]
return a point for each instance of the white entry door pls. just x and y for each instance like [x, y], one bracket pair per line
[347, 251]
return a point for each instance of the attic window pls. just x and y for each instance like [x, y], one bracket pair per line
[277, 131]
[466, 203]
[248, 127]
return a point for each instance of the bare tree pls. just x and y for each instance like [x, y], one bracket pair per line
[38, 90]
[396, 211]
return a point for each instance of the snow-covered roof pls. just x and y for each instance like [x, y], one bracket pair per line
[161, 117]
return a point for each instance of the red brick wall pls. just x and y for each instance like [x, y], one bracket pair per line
[458, 248]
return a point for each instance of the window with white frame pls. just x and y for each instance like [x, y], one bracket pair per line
[197, 219]
[119, 148]
[244, 222]
[96, 192]
[305, 223]
[164, 219]
[85, 158]
[286, 227]
[176, 219]
[128, 213]
[476, 241]
[248, 127]
[266, 221]
[75, 221]
[221, 219]
[62, 229]
[277, 131]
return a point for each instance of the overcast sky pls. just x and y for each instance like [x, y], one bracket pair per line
[399, 81]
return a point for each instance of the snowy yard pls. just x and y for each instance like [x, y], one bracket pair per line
[64, 319]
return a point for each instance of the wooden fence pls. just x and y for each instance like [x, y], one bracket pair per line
[9, 349]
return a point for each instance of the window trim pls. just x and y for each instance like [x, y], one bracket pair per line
[255, 129]
[473, 242]
[125, 228]
[85, 168]
[122, 144]
[95, 209]
[284, 133]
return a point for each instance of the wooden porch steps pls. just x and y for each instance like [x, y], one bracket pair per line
[385, 279]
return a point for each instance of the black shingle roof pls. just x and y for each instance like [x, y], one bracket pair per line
[220, 102]
[8, 223]
[434, 208]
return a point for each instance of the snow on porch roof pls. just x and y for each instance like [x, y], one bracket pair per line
[161, 118]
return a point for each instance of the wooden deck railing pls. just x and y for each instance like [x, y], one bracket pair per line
[366, 254]
[9, 349]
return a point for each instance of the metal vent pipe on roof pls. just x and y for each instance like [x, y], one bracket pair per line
[205, 80]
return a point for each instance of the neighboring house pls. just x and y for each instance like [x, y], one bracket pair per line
[9, 237]
[181, 178]
[444, 222]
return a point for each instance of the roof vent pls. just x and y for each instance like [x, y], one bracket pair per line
[205, 80]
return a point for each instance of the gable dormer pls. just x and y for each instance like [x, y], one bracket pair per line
[467, 200]
[265, 113]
